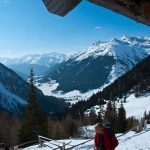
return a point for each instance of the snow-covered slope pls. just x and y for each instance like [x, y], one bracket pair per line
[129, 141]
[127, 51]
[10, 101]
[126, 47]
[96, 67]
[135, 141]
[13, 90]
[14, 94]
[134, 106]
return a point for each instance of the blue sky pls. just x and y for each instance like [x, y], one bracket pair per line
[27, 27]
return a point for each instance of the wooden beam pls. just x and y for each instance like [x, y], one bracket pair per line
[130, 8]
[146, 10]
[138, 10]
[61, 7]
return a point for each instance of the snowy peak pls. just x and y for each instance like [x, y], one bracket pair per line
[41, 63]
[129, 39]
[124, 47]
[39, 59]
[44, 59]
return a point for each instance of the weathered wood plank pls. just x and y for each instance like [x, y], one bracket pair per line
[61, 7]
[138, 10]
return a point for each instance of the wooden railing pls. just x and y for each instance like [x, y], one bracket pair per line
[43, 141]
[50, 143]
[23, 145]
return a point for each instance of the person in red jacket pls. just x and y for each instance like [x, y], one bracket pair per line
[102, 139]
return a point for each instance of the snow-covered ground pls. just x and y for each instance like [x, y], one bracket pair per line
[128, 141]
[72, 142]
[72, 96]
[47, 88]
[135, 141]
[134, 106]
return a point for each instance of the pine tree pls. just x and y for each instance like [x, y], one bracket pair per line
[122, 121]
[99, 117]
[101, 110]
[108, 116]
[145, 114]
[101, 104]
[34, 122]
[124, 99]
[130, 123]
[93, 116]
[115, 116]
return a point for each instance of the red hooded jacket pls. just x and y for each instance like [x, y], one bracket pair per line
[107, 144]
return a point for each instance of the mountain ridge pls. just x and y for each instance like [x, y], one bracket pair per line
[35, 59]
[99, 65]
[41, 63]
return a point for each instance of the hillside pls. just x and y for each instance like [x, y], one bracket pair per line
[135, 81]
[14, 94]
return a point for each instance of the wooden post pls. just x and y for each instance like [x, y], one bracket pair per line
[40, 142]
[145, 124]
[15, 147]
[63, 145]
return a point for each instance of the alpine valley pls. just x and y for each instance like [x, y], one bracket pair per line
[78, 76]
[91, 70]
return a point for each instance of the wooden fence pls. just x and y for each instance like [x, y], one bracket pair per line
[49, 143]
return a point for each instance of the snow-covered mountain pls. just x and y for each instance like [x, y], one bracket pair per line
[40, 63]
[14, 94]
[39, 59]
[97, 66]
[132, 89]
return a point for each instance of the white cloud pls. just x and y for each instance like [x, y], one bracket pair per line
[97, 27]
